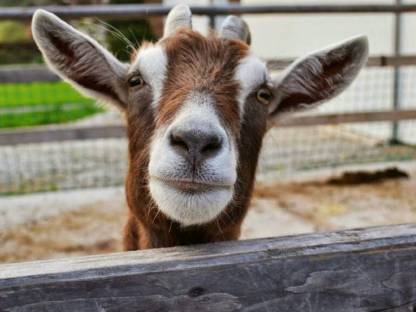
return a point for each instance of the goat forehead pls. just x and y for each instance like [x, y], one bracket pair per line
[195, 59]
[203, 64]
[188, 62]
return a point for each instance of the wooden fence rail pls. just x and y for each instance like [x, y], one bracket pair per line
[60, 133]
[357, 270]
[128, 11]
[33, 73]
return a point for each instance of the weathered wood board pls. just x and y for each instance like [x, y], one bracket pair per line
[131, 11]
[32, 73]
[60, 133]
[357, 270]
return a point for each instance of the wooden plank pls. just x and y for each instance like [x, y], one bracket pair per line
[335, 119]
[60, 134]
[373, 61]
[32, 73]
[69, 133]
[130, 11]
[357, 270]
[26, 74]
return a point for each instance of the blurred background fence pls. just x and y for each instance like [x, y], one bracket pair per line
[52, 138]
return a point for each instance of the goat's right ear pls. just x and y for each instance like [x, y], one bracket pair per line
[80, 60]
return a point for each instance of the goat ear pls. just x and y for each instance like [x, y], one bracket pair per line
[319, 76]
[79, 59]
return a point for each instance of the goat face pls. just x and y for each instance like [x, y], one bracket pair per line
[194, 152]
[197, 107]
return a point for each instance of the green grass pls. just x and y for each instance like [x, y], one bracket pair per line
[42, 103]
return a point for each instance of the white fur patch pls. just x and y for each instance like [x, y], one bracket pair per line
[190, 209]
[250, 73]
[197, 114]
[152, 62]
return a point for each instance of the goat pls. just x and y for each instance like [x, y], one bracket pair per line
[197, 108]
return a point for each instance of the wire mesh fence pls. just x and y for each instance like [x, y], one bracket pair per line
[66, 165]
[287, 151]
[85, 163]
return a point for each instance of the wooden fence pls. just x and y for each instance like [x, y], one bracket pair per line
[130, 11]
[72, 133]
[372, 269]
[33, 73]
[65, 133]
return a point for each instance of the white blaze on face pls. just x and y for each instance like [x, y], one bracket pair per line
[250, 73]
[151, 62]
[219, 171]
[198, 113]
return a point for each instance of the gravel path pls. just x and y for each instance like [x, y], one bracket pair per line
[61, 224]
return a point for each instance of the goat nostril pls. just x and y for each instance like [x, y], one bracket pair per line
[213, 145]
[178, 141]
[195, 145]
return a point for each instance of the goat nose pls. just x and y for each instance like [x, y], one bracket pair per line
[195, 145]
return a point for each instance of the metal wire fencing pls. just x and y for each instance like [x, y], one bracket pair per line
[71, 164]
[46, 142]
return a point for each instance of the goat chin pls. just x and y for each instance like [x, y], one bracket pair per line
[190, 208]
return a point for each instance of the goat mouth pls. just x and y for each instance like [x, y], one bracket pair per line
[190, 186]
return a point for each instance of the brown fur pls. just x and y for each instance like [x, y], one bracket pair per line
[205, 65]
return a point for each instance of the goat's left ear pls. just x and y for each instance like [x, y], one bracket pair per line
[79, 59]
[319, 76]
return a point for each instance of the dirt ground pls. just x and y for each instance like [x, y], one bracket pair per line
[90, 222]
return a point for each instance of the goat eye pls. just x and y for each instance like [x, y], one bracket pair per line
[136, 81]
[264, 95]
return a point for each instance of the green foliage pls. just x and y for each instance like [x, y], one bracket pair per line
[19, 55]
[13, 32]
[135, 32]
[42, 103]
[16, 43]
[31, 2]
